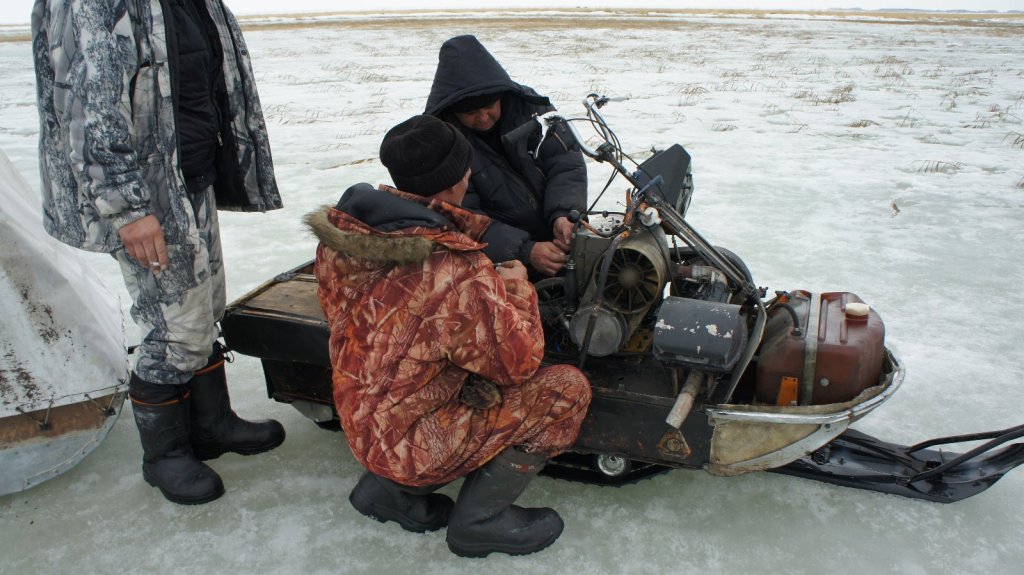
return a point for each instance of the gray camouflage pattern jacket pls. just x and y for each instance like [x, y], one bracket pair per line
[107, 141]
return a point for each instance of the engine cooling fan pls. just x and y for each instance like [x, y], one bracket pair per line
[634, 281]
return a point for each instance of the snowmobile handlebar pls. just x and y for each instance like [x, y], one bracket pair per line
[610, 152]
[543, 123]
[523, 131]
[604, 153]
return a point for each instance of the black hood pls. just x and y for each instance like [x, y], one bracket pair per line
[464, 69]
[387, 212]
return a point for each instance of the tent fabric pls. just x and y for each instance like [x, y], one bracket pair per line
[62, 333]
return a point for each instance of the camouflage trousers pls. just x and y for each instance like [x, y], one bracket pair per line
[178, 309]
[544, 414]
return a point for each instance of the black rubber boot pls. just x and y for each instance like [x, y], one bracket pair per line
[416, 509]
[216, 429]
[161, 414]
[484, 519]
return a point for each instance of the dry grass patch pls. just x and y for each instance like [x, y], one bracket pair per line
[580, 18]
[577, 19]
[995, 24]
[15, 35]
[979, 122]
[936, 167]
[909, 121]
[748, 87]
[969, 81]
[692, 90]
[835, 96]
[895, 78]
[840, 94]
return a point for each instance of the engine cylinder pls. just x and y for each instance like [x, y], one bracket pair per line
[608, 334]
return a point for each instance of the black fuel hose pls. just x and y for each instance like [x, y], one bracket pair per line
[602, 279]
[792, 314]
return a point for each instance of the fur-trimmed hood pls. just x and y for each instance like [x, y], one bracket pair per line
[387, 226]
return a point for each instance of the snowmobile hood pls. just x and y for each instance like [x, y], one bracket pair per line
[385, 225]
[466, 69]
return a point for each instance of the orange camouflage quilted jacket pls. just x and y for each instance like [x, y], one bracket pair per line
[414, 307]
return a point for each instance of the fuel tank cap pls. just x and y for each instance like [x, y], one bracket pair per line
[857, 309]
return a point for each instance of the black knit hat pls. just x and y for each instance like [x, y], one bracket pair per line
[425, 155]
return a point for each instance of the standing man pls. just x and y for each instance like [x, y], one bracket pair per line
[149, 122]
[528, 197]
[436, 353]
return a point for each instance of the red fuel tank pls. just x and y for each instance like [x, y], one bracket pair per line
[835, 354]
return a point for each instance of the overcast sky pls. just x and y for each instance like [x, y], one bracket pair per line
[18, 11]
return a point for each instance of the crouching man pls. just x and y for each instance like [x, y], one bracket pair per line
[436, 353]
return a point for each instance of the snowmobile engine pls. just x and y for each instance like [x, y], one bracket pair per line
[619, 287]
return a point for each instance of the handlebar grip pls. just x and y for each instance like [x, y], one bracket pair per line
[521, 132]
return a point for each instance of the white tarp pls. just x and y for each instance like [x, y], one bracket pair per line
[62, 332]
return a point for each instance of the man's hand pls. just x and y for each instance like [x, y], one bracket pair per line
[562, 230]
[511, 270]
[547, 257]
[144, 240]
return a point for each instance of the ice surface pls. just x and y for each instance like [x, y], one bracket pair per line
[881, 158]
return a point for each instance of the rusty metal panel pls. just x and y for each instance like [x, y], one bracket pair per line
[60, 420]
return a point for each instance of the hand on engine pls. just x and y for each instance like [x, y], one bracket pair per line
[547, 258]
[562, 230]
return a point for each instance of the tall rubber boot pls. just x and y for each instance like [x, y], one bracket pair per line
[216, 429]
[484, 519]
[416, 509]
[161, 414]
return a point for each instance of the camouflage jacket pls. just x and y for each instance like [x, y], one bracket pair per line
[415, 307]
[107, 141]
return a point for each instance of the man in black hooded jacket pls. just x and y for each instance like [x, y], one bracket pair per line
[528, 198]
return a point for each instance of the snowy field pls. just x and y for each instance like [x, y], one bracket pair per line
[880, 156]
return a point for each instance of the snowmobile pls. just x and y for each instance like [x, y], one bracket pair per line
[690, 365]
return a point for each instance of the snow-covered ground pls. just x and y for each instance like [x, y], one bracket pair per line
[884, 158]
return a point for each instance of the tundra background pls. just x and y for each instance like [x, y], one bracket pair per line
[876, 153]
